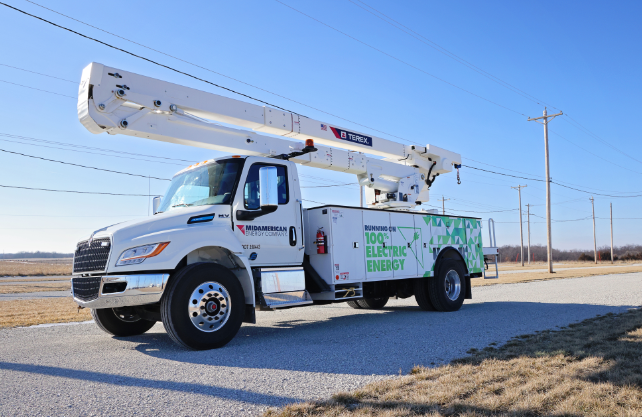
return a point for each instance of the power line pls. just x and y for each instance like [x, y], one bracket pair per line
[558, 184]
[252, 98]
[76, 150]
[398, 59]
[143, 58]
[74, 216]
[326, 186]
[595, 155]
[74, 145]
[449, 54]
[33, 72]
[584, 130]
[33, 88]
[83, 166]
[187, 74]
[506, 175]
[76, 192]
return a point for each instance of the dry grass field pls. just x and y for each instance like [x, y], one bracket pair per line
[16, 289]
[39, 311]
[560, 274]
[512, 266]
[592, 368]
[25, 269]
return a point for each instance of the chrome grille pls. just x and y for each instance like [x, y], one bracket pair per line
[92, 257]
[86, 288]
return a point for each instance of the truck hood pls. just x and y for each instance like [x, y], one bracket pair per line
[140, 230]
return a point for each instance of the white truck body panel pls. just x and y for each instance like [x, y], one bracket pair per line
[389, 245]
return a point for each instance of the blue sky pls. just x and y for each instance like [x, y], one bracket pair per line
[581, 57]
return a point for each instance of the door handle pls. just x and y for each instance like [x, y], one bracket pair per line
[292, 236]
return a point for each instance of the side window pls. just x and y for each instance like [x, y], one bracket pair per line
[251, 190]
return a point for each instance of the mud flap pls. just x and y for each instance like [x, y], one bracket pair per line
[250, 314]
[469, 291]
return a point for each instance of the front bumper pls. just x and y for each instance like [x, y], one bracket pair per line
[133, 290]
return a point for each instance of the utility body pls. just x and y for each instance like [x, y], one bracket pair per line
[231, 236]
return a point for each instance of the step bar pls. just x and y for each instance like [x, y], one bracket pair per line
[491, 253]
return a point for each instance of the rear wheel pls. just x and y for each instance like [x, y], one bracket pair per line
[120, 322]
[448, 288]
[203, 307]
[373, 303]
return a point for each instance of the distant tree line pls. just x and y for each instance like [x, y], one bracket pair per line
[510, 253]
[29, 255]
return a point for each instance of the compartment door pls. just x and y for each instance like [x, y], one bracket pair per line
[426, 258]
[347, 245]
[439, 237]
[474, 252]
[405, 238]
[378, 245]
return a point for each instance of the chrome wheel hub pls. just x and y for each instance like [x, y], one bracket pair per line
[209, 307]
[452, 285]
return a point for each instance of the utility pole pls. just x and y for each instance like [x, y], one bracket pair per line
[528, 220]
[361, 196]
[521, 233]
[611, 232]
[546, 118]
[594, 239]
[443, 204]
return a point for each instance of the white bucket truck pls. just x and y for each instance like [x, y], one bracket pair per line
[231, 235]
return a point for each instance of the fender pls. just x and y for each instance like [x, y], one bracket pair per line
[449, 252]
[199, 243]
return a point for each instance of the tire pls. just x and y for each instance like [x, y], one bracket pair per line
[120, 322]
[203, 306]
[448, 288]
[373, 303]
[422, 294]
[354, 304]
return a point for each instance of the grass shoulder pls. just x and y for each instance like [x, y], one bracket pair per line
[589, 368]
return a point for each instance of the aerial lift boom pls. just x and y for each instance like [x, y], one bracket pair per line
[120, 102]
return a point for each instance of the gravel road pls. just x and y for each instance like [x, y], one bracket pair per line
[519, 271]
[33, 295]
[291, 355]
[23, 282]
[35, 277]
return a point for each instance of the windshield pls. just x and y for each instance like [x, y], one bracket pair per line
[210, 184]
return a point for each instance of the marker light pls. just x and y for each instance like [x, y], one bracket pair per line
[309, 142]
[138, 254]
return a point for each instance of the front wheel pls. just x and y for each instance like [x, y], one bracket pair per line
[120, 322]
[203, 306]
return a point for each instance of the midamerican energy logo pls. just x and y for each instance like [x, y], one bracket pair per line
[351, 137]
[251, 230]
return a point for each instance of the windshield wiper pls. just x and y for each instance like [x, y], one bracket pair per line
[182, 204]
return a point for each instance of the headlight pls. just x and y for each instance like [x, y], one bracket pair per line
[138, 254]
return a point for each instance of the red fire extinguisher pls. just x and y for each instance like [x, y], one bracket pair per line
[321, 242]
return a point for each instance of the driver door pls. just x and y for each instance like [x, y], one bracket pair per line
[271, 238]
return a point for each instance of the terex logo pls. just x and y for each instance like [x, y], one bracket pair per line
[351, 137]
[241, 228]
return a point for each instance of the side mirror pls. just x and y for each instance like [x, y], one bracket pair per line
[156, 204]
[268, 189]
[268, 195]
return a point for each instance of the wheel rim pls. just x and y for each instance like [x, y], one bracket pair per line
[209, 306]
[452, 284]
